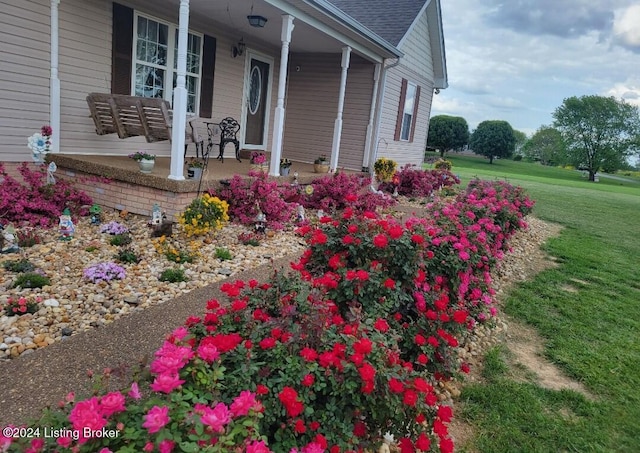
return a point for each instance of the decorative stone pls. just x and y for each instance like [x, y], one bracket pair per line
[51, 303]
[67, 332]
[131, 300]
[225, 271]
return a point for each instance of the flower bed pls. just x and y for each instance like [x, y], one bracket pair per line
[329, 358]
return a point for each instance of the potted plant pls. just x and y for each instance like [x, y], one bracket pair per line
[258, 161]
[145, 160]
[285, 166]
[195, 168]
[321, 164]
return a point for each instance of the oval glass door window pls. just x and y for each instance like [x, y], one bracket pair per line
[255, 90]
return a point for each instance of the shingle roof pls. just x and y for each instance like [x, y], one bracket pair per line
[389, 19]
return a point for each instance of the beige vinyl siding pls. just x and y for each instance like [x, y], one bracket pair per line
[417, 67]
[312, 107]
[24, 78]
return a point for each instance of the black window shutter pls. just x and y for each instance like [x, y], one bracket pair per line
[208, 70]
[121, 49]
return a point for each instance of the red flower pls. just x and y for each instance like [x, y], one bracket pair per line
[422, 385]
[465, 367]
[238, 305]
[406, 446]
[417, 239]
[348, 239]
[314, 426]
[396, 386]
[396, 232]
[310, 355]
[262, 389]
[423, 443]
[446, 445]
[362, 275]
[268, 343]
[299, 426]
[308, 380]
[423, 359]
[380, 240]
[289, 399]
[352, 229]
[367, 372]
[363, 346]
[419, 340]
[445, 413]
[357, 359]
[410, 398]
[460, 316]
[381, 325]
[389, 283]
[359, 429]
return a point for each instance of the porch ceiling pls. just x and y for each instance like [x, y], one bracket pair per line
[231, 17]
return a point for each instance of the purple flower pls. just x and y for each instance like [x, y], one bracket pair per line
[114, 228]
[104, 272]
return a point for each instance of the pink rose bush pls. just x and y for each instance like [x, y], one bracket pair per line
[349, 346]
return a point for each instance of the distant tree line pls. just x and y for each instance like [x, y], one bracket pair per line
[592, 133]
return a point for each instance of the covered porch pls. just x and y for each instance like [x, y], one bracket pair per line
[115, 182]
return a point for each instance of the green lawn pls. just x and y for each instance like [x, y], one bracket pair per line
[592, 334]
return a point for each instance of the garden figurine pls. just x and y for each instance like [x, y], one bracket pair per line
[65, 226]
[96, 214]
[8, 241]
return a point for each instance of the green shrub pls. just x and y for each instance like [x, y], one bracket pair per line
[127, 256]
[223, 254]
[31, 280]
[517, 157]
[22, 265]
[173, 275]
[120, 239]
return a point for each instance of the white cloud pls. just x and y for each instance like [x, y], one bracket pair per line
[626, 29]
[629, 91]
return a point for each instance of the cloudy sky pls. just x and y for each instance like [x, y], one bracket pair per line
[517, 60]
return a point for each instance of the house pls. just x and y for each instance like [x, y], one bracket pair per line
[348, 78]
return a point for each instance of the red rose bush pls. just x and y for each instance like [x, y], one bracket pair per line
[327, 358]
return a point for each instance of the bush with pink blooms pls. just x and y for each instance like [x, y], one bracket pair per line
[414, 182]
[38, 203]
[349, 346]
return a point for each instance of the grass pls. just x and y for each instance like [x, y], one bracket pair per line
[590, 333]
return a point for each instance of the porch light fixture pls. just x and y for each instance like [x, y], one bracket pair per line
[256, 21]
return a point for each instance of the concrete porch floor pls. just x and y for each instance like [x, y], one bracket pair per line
[125, 169]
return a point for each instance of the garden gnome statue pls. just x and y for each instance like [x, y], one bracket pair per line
[66, 226]
[8, 242]
[156, 215]
[96, 214]
[261, 223]
[300, 217]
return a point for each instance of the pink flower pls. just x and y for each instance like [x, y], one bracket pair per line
[111, 403]
[166, 383]
[243, 403]
[156, 419]
[217, 417]
[166, 446]
[135, 391]
[208, 352]
[87, 414]
[105, 450]
[258, 447]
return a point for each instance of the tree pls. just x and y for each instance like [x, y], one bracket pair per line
[493, 139]
[546, 146]
[447, 133]
[599, 132]
[521, 139]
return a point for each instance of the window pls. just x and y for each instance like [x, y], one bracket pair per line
[407, 111]
[155, 65]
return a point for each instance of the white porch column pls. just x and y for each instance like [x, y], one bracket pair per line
[180, 98]
[54, 81]
[368, 147]
[337, 128]
[278, 120]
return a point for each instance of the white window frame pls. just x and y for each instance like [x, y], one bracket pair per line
[170, 64]
[405, 128]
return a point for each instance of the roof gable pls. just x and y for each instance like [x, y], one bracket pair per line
[389, 19]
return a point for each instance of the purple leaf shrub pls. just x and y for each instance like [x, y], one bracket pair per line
[37, 203]
[414, 182]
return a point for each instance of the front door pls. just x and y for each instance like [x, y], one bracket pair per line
[257, 91]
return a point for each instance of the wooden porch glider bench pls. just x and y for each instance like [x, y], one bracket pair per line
[133, 116]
